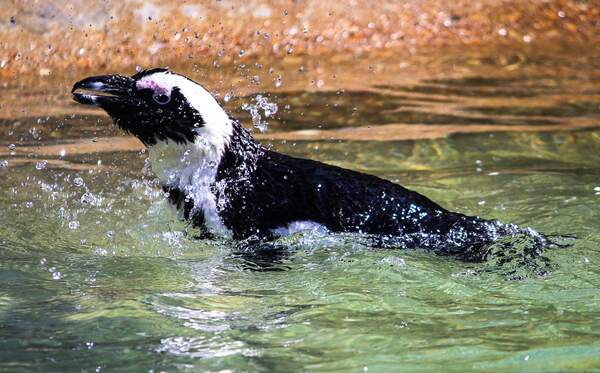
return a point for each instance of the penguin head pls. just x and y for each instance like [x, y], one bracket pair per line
[157, 106]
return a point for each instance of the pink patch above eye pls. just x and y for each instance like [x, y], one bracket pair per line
[151, 84]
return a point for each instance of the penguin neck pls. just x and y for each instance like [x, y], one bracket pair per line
[181, 165]
[241, 154]
[210, 157]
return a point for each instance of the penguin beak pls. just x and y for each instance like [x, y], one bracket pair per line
[110, 92]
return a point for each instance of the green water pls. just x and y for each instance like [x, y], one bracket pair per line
[108, 281]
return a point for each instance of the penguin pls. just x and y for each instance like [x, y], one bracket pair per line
[222, 180]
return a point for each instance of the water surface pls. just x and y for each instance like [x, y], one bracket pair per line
[96, 274]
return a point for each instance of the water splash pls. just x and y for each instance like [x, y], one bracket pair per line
[41, 165]
[515, 254]
[90, 199]
[268, 108]
[78, 181]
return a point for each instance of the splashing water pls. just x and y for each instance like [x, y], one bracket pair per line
[268, 108]
[42, 165]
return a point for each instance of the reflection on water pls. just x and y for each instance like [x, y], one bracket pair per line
[95, 273]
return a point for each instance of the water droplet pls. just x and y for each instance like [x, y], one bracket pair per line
[3, 164]
[73, 224]
[268, 108]
[34, 133]
[278, 81]
[241, 52]
[561, 14]
[394, 261]
[81, 51]
[467, 273]
[177, 36]
[41, 165]
[101, 251]
[90, 199]
[56, 275]
[503, 32]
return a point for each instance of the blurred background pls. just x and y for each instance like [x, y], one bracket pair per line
[241, 47]
[47, 37]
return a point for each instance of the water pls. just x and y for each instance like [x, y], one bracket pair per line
[95, 273]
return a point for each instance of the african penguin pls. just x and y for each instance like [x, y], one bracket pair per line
[220, 178]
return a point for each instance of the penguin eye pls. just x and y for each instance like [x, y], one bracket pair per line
[161, 98]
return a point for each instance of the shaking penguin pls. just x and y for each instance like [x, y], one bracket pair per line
[225, 182]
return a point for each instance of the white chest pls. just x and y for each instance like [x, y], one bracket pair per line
[192, 169]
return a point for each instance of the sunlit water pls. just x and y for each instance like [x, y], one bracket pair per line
[95, 273]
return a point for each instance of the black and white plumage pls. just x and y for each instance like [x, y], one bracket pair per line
[220, 178]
